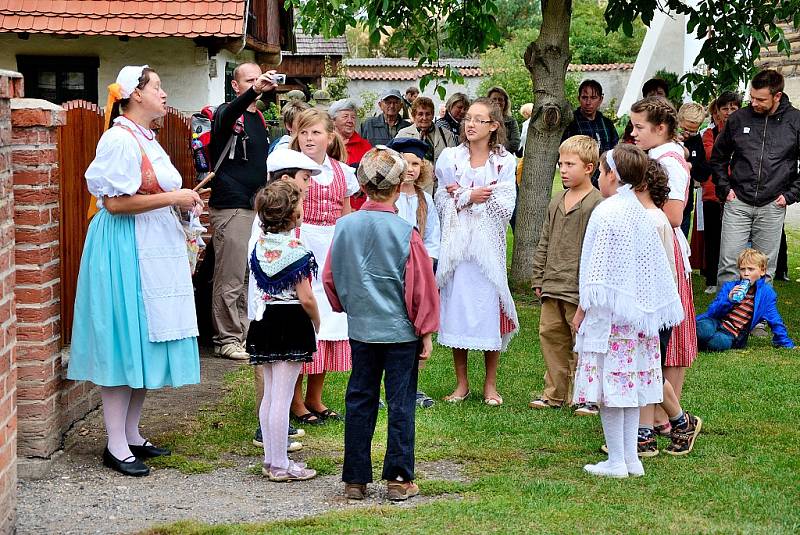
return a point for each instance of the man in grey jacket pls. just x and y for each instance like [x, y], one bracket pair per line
[383, 128]
[760, 145]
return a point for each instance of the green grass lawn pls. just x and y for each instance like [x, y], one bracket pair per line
[525, 466]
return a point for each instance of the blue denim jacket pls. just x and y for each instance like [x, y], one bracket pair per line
[765, 307]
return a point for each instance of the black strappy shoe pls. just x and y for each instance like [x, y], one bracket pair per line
[130, 466]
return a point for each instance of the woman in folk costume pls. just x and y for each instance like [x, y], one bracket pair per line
[136, 325]
[475, 199]
[327, 199]
[627, 294]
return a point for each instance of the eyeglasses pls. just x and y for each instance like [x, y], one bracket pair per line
[475, 120]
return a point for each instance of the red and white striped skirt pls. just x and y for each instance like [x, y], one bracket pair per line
[682, 348]
[331, 356]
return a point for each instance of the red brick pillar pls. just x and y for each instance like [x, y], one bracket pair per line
[36, 218]
[10, 87]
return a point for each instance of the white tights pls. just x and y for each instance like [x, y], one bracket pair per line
[279, 381]
[122, 410]
[620, 427]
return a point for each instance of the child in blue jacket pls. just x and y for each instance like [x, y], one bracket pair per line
[727, 323]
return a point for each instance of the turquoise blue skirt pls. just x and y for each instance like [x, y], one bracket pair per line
[110, 345]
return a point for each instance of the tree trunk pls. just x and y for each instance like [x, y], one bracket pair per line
[547, 59]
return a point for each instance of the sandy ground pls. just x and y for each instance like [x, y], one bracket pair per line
[80, 496]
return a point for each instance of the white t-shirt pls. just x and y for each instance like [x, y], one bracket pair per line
[678, 184]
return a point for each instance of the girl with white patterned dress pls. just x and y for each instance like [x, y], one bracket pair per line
[327, 199]
[475, 200]
[136, 327]
[627, 294]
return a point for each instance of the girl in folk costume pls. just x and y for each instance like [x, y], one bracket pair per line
[475, 200]
[138, 326]
[654, 123]
[285, 318]
[415, 205]
[327, 199]
[627, 294]
[288, 165]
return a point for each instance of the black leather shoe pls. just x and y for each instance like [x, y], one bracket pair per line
[148, 450]
[135, 467]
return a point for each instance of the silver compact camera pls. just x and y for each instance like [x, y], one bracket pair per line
[279, 78]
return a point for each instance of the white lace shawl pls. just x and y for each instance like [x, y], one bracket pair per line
[481, 237]
[624, 268]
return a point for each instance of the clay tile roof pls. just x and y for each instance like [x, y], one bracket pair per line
[132, 18]
[308, 45]
[403, 69]
[600, 67]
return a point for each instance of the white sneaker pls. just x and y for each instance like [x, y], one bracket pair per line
[295, 472]
[606, 469]
[233, 351]
[711, 290]
[635, 468]
[294, 446]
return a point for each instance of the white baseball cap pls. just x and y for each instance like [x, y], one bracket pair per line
[283, 158]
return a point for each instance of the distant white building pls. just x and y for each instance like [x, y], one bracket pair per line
[668, 46]
[376, 75]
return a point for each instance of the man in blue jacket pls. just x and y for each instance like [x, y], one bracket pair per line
[733, 314]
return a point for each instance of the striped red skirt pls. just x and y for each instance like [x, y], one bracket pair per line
[331, 356]
[682, 348]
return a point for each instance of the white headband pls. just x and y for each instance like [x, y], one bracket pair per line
[611, 164]
[128, 79]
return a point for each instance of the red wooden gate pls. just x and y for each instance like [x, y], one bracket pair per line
[77, 141]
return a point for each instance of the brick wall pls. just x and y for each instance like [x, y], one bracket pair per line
[47, 403]
[10, 86]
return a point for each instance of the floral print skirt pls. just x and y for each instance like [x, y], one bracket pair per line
[628, 375]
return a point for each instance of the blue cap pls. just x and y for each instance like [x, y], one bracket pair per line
[410, 144]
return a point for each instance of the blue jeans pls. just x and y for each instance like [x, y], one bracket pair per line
[370, 362]
[712, 337]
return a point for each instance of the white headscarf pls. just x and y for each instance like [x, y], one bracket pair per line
[128, 79]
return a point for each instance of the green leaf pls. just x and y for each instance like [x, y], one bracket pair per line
[627, 27]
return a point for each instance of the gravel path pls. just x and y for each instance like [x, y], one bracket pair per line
[79, 495]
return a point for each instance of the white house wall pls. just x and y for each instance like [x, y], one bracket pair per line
[663, 48]
[613, 82]
[183, 67]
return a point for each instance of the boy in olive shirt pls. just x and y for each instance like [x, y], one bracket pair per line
[555, 269]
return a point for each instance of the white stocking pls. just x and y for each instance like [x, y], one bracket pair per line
[279, 381]
[631, 434]
[612, 420]
[115, 411]
[134, 416]
[263, 410]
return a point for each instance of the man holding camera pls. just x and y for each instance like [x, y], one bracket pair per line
[239, 139]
